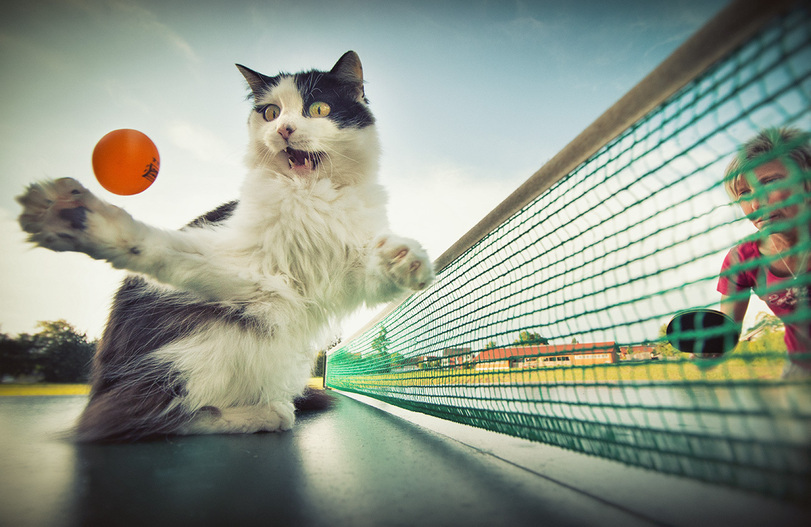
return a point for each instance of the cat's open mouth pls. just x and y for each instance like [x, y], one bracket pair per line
[301, 160]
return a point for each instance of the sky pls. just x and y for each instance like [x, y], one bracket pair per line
[471, 98]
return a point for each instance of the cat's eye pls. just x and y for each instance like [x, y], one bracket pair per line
[271, 112]
[319, 109]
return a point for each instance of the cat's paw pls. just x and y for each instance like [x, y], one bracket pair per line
[404, 261]
[272, 417]
[286, 413]
[62, 215]
[53, 213]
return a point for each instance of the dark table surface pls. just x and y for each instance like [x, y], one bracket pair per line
[353, 465]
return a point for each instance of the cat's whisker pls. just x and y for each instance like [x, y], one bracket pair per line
[329, 152]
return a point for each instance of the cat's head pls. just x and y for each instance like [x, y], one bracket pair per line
[314, 124]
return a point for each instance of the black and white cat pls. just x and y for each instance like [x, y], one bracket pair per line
[216, 332]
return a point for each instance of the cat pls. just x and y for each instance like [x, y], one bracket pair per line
[216, 330]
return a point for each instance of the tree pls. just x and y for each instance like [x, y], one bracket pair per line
[320, 362]
[381, 342]
[62, 354]
[381, 359]
[57, 353]
[663, 347]
[765, 323]
[766, 336]
[15, 356]
[320, 366]
[526, 337]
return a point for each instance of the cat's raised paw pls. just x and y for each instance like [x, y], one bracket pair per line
[52, 213]
[405, 262]
[62, 215]
[55, 213]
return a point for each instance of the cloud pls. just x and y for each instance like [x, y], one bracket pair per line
[204, 144]
[30, 49]
[137, 15]
[438, 204]
[149, 21]
[524, 28]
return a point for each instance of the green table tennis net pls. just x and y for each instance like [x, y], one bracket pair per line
[552, 327]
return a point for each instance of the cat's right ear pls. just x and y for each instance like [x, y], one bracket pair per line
[350, 71]
[259, 83]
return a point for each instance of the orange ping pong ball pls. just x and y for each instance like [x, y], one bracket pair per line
[126, 162]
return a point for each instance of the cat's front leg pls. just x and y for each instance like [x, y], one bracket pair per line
[62, 215]
[398, 264]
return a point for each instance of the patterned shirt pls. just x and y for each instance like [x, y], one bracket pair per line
[782, 296]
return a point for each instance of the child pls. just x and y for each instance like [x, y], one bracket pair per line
[771, 180]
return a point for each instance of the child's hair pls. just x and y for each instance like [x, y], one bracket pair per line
[781, 143]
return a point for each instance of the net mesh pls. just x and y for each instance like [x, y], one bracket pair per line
[553, 326]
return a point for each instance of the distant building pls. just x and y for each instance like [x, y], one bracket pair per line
[407, 365]
[638, 352]
[456, 357]
[537, 355]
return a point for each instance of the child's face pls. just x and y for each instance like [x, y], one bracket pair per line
[760, 195]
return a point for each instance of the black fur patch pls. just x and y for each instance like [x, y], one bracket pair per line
[341, 88]
[218, 215]
[75, 216]
[313, 400]
[131, 396]
[346, 110]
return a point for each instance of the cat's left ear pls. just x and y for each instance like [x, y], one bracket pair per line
[350, 71]
[259, 83]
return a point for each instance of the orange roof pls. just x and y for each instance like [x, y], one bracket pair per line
[539, 349]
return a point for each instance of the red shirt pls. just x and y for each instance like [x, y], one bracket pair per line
[782, 301]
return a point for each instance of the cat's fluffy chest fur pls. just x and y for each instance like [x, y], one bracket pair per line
[217, 330]
[308, 232]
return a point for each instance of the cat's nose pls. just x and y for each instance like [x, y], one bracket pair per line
[285, 130]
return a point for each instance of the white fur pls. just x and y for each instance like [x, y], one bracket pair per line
[299, 252]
